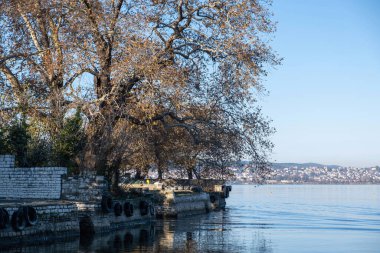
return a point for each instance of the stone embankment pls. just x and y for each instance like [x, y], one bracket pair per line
[182, 203]
[178, 198]
[42, 204]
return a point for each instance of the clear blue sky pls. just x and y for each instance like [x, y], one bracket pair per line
[325, 97]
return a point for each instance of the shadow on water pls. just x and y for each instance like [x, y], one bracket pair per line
[202, 233]
[121, 241]
[214, 232]
[87, 231]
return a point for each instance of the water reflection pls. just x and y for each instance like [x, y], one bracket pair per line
[208, 233]
[202, 233]
[259, 220]
[132, 240]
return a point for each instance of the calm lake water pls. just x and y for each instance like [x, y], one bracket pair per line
[270, 218]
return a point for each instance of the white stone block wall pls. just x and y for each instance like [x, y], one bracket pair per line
[87, 187]
[7, 161]
[29, 183]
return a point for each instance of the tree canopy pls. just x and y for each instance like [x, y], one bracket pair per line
[157, 83]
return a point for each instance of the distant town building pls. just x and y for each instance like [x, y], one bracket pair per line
[311, 174]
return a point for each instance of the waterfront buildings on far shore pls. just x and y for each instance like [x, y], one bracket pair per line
[298, 174]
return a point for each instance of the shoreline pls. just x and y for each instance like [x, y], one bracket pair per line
[242, 183]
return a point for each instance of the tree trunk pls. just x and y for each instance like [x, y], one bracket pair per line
[115, 179]
[190, 173]
[160, 173]
[138, 175]
[115, 176]
[197, 175]
[158, 160]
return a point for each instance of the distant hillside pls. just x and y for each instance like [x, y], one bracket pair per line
[300, 165]
[288, 165]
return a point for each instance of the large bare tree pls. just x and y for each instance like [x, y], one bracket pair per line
[159, 83]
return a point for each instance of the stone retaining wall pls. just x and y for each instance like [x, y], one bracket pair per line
[182, 204]
[87, 187]
[29, 183]
[52, 219]
[63, 218]
[7, 161]
[123, 240]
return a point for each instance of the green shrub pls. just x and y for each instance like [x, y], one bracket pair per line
[39, 152]
[16, 141]
[69, 142]
[3, 147]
